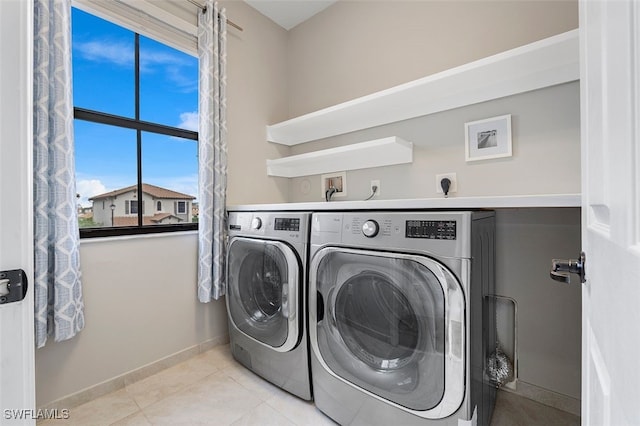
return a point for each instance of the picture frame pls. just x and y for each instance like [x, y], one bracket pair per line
[488, 138]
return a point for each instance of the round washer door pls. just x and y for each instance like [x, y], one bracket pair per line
[392, 325]
[263, 277]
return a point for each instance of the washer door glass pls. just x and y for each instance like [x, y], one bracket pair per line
[382, 326]
[260, 276]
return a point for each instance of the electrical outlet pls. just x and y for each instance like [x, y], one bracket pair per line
[375, 183]
[336, 180]
[454, 183]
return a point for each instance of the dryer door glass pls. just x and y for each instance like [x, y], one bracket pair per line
[260, 274]
[383, 327]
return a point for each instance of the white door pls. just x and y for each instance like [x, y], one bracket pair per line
[610, 98]
[17, 383]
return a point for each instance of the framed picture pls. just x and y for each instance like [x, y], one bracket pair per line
[489, 138]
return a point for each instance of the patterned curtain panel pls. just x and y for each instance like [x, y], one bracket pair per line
[58, 292]
[212, 152]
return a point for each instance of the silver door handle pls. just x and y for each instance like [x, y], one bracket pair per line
[561, 269]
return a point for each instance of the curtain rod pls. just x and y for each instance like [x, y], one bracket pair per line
[204, 8]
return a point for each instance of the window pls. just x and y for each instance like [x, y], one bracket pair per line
[131, 207]
[136, 119]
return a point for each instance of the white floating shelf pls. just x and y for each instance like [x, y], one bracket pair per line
[548, 62]
[376, 153]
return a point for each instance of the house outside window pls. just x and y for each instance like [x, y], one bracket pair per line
[125, 209]
[136, 119]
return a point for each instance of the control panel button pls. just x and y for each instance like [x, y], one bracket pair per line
[370, 228]
[256, 223]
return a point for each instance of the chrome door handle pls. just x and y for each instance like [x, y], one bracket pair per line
[561, 269]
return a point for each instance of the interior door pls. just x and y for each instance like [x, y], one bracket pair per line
[610, 108]
[17, 383]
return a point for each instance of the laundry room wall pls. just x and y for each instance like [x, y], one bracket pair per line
[257, 87]
[141, 307]
[355, 48]
[140, 296]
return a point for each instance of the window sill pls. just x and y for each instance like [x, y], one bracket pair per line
[127, 231]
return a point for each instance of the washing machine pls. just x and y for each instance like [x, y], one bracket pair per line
[400, 322]
[266, 278]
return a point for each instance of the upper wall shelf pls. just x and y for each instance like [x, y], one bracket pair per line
[548, 62]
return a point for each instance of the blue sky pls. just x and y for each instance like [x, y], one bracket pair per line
[103, 80]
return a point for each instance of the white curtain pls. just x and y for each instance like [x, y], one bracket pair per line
[59, 308]
[212, 152]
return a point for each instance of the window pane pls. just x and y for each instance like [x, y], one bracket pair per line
[105, 166]
[168, 85]
[103, 65]
[170, 176]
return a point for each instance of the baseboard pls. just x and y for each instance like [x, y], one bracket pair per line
[545, 396]
[88, 394]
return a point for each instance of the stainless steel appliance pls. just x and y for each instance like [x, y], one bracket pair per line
[266, 277]
[400, 324]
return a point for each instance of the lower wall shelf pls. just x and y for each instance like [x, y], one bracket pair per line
[375, 153]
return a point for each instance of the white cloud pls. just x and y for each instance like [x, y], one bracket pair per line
[189, 121]
[149, 58]
[88, 188]
[121, 53]
[118, 53]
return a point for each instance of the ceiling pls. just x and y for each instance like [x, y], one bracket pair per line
[289, 13]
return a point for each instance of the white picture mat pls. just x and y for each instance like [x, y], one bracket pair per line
[488, 138]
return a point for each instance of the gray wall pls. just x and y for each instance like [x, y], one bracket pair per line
[549, 312]
[545, 136]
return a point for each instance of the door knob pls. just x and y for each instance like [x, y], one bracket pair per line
[561, 269]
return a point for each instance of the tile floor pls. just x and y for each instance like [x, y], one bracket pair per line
[212, 389]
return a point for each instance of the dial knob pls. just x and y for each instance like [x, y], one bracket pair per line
[370, 228]
[256, 223]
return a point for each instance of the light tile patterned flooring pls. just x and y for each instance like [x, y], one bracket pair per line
[213, 389]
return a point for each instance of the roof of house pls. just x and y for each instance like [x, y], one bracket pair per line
[154, 191]
[146, 220]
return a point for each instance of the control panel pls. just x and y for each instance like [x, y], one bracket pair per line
[431, 229]
[391, 227]
[287, 224]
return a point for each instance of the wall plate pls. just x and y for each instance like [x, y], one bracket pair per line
[336, 180]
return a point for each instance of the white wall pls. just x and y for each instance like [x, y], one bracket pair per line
[140, 306]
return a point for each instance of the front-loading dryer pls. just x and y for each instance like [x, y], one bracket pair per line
[266, 296]
[400, 322]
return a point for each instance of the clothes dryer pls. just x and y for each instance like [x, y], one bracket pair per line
[266, 293]
[400, 324]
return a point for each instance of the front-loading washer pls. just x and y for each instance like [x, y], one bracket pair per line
[400, 322]
[266, 296]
